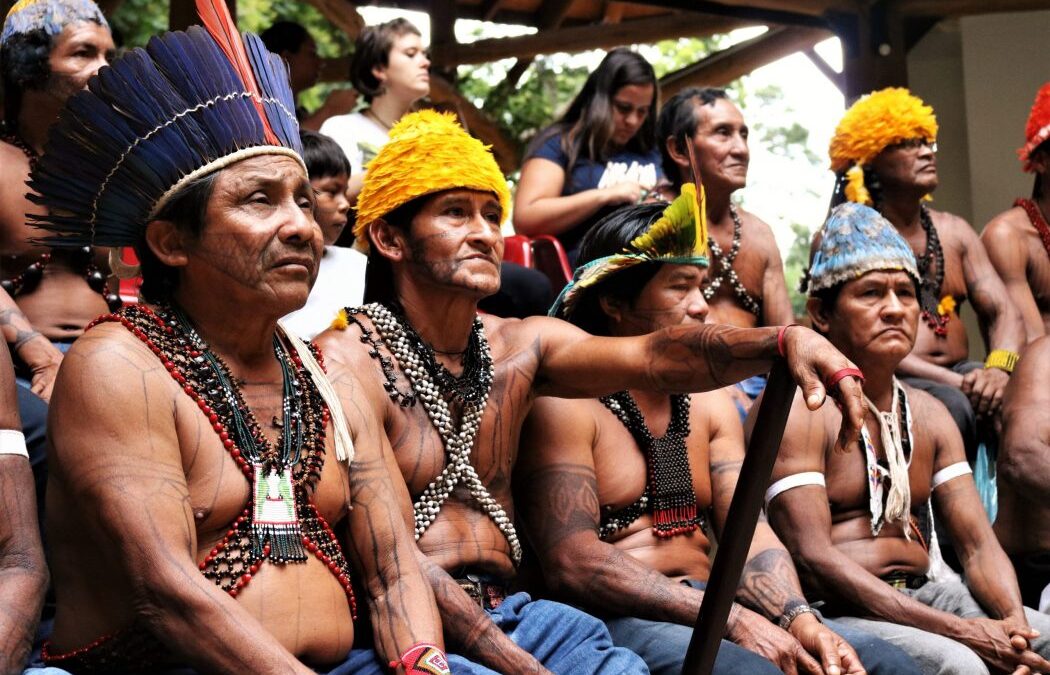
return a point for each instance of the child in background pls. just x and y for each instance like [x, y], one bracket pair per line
[341, 275]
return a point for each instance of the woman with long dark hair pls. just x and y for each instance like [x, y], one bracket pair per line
[601, 154]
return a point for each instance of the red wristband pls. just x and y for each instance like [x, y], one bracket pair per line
[845, 372]
[780, 339]
[423, 659]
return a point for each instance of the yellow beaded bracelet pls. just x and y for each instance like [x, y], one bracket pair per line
[1002, 359]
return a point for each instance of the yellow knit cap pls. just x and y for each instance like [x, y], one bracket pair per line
[877, 120]
[428, 152]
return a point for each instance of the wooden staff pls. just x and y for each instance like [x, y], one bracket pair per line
[741, 520]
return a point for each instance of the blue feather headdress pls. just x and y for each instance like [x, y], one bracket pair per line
[187, 105]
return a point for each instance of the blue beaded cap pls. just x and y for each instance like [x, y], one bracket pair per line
[855, 240]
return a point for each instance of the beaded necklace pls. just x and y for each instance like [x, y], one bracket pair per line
[1037, 220]
[669, 493]
[727, 273]
[419, 364]
[281, 524]
[33, 273]
[930, 283]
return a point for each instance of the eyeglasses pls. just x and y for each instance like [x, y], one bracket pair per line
[913, 144]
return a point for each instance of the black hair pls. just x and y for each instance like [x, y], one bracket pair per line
[285, 36]
[23, 65]
[379, 275]
[678, 120]
[871, 184]
[586, 127]
[611, 235]
[372, 49]
[187, 210]
[322, 155]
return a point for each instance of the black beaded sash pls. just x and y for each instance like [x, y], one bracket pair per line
[669, 493]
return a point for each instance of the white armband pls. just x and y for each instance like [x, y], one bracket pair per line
[793, 481]
[949, 473]
[13, 442]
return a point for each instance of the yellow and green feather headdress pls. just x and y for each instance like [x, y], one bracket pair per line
[678, 236]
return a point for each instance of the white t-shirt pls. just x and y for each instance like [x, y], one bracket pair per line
[340, 283]
[358, 135]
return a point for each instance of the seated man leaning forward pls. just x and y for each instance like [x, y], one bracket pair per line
[616, 491]
[201, 508]
[858, 517]
[452, 389]
[1023, 523]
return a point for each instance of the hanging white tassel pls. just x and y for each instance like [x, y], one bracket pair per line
[344, 443]
[898, 500]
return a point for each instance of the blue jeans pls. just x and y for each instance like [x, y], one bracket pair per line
[752, 387]
[565, 640]
[663, 645]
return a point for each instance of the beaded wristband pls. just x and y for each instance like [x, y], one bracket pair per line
[423, 659]
[1002, 359]
[780, 339]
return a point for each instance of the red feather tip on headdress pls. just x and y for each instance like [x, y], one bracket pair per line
[1037, 131]
[215, 16]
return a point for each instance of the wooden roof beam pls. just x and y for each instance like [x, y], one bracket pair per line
[771, 12]
[942, 8]
[342, 14]
[721, 68]
[600, 36]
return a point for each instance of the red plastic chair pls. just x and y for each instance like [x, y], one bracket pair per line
[517, 249]
[129, 288]
[549, 257]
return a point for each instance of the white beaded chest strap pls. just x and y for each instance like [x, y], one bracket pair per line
[458, 442]
[793, 481]
[948, 473]
[13, 442]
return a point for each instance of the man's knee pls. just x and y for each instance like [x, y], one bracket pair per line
[567, 640]
[733, 659]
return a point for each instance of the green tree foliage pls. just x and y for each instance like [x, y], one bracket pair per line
[796, 262]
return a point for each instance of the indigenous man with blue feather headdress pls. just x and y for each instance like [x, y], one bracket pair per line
[858, 519]
[452, 388]
[633, 487]
[206, 506]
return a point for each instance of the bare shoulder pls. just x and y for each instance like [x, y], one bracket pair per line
[757, 231]
[110, 353]
[1037, 353]
[110, 386]
[713, 409]
[1012, 222]
[557, 430]
[564, 417]
[924, 406]
[952, 227]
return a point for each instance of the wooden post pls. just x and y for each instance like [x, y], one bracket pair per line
[874, 54]
[741, 520]
[443, 36]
